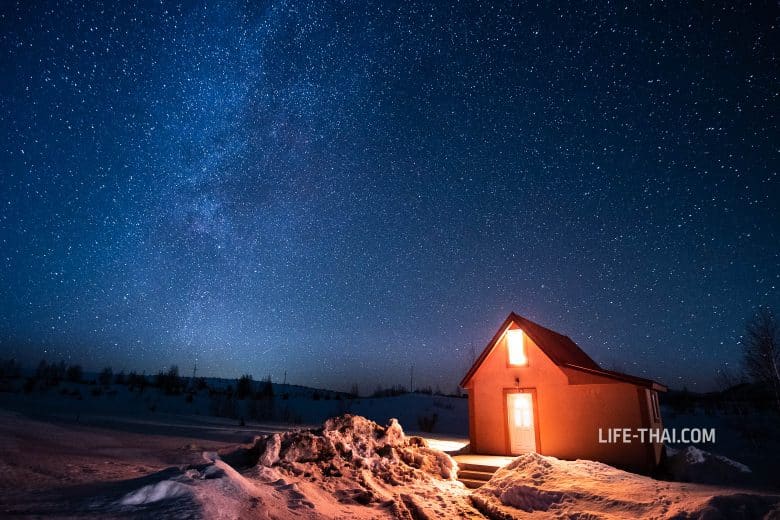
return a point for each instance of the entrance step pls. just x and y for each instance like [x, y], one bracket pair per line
[471, 484]
[474, 475]
[484, 476]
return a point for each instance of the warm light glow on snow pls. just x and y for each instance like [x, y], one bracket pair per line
[446, 445]
[516, 346]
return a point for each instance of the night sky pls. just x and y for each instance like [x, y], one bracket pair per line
[341, 191]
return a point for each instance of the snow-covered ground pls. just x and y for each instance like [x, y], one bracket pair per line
[533, 486]
[348, 468]
[351, 468]
[291, 404]
[752, 439]
[85, 451]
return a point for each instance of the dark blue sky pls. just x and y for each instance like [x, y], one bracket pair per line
[340, 190]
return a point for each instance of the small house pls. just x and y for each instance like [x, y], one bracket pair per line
[534, 390]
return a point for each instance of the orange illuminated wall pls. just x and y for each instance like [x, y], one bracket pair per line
[569, 406]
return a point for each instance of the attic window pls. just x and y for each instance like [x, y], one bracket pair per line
[516, 347]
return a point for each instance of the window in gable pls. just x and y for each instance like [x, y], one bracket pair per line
[515, 341]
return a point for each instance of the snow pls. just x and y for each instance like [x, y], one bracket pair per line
[113, 456]
[529, 498]
[164, 490]
[691, 464]
[549, 487]
[748, 436]
[292, 405]
[352, 462]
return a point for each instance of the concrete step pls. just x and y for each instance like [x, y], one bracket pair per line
[484, 476]
[475, 470]
[482, 468]
[472, 484]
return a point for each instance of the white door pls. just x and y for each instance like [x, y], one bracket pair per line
[522, 437]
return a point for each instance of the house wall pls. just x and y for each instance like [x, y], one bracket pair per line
[655, 422]
[568, 417]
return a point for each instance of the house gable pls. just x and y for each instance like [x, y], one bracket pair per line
[572, 361]
[558, 348]
[497, 372]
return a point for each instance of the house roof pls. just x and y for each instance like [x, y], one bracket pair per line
[619, 376]
[560, 349]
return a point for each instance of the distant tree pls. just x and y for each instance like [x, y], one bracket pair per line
[106, 376]
[268, 388]
[42, 370]
[354, 392]
[7, 373]
[59, 371]
[244, 386]
[134, 380]
[120, 378]
[10, 369]
[50, 374]
[170, 382]
[761, 351]
[74, 373]
[262, 405]
[393, 391]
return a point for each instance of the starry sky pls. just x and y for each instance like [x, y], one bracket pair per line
[343, 190]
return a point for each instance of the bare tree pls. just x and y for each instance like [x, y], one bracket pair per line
[761, 351]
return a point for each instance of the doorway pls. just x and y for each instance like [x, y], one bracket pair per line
[520, 412]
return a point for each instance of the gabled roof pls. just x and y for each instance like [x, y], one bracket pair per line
[559, 348]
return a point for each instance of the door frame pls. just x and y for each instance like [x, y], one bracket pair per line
[534, 400]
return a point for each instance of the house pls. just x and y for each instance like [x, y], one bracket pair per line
[534, 390]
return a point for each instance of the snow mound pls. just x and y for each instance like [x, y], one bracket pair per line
[353, 467]
[694, 465]
[529, 498]
[163, 490]
[549, 487]
[353, 443]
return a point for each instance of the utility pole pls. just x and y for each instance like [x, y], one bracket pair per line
[285, 377]
[411, 380]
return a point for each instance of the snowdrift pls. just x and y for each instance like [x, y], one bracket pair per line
[691, 464]
[349, 443]
[545, 487]
[352, 461]
[349, 468]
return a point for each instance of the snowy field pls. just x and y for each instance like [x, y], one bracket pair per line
[163, 465]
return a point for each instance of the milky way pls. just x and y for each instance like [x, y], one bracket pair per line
[341, 191]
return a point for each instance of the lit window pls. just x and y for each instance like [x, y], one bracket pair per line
[516, 347]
